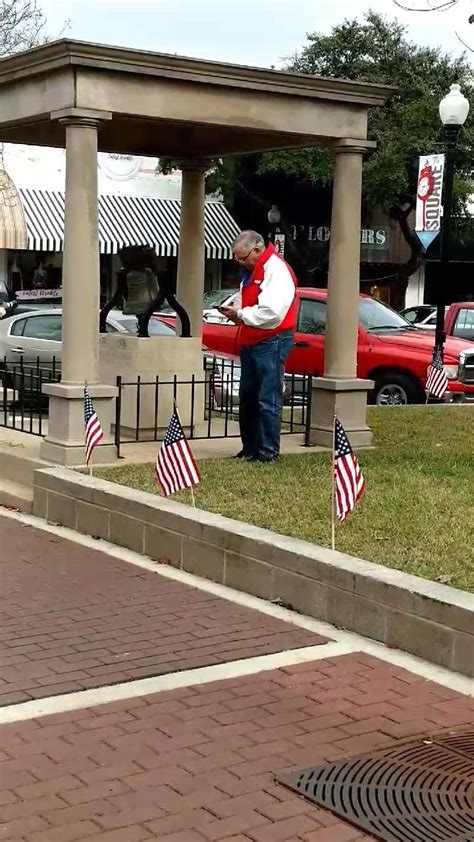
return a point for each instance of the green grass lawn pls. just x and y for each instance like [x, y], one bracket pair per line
[418, 511]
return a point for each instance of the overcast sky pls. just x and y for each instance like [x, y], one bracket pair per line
[256, 32]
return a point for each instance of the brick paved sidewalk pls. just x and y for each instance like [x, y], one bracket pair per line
[197, 764]
[72, 619]
[189, 765]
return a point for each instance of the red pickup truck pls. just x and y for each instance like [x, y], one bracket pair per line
[393, 353]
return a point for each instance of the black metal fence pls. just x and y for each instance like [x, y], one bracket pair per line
[208, 405]
[23, 406]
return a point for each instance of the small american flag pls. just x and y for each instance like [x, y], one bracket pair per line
[94, 432]
[175, 467]
[437, 382]
[349, 479]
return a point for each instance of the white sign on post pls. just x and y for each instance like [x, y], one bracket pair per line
[429, 198]
[280, 244]
[38, 294]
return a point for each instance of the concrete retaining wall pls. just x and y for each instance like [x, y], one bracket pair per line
[427, 619]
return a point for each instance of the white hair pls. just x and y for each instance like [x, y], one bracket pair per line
[249, 240]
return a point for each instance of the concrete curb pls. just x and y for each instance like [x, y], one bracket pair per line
[424, 618]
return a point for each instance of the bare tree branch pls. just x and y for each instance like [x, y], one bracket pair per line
[427, 5]
[471, 49]
[22, 26]
[435, 6]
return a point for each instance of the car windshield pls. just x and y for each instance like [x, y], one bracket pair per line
[212, 299]
[131, 324]
[374, 316]
[158, 328]
[216, 297]
[414, 315]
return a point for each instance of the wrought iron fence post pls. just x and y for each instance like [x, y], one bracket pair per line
[175, 391]
[307, 434]
[139, 396]
[14, 398]
[5, 392]
[193, 397]
[40, 406]
[157, 386]
[118, 415]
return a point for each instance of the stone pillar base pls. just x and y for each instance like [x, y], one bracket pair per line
[347, 399]
[147, 408]
[64, 443]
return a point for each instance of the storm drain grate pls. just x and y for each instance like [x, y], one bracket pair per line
[422, 791]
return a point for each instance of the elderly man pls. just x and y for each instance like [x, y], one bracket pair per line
[267, 320]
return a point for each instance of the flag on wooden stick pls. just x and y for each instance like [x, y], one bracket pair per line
[437, 382]
[93, 431]
[176, 467]
[349, 482]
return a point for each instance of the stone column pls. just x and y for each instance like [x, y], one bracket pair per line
[81, 274]
[339, 392]
[191, 255]
[64, 442]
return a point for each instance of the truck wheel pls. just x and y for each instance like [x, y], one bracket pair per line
[396, 390]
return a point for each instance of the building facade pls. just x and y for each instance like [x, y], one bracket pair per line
[137, 205]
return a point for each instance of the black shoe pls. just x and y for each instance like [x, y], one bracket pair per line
[264, 460]
[242, 454]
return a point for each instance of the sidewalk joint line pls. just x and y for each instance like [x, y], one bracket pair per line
[68, 702]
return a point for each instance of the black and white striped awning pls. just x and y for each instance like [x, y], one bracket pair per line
[125, 221]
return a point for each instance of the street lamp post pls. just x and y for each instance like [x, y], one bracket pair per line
[274, 217]
[453, 110]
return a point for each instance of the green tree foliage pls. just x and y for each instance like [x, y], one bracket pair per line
[377, 50]
[374, 49]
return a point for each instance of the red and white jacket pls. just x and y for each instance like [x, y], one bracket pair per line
[268, 300]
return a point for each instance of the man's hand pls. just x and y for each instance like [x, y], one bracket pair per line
[230, 313]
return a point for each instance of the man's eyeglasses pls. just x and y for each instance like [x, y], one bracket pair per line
[243, 259]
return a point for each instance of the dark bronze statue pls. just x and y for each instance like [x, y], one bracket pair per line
[141, 291]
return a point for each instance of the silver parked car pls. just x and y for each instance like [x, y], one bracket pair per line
[31, 349]
[422, 317]
[224, 374]
[418, 313]
[211, 302]
[37, 334]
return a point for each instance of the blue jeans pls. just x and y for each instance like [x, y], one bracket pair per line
[261, 394]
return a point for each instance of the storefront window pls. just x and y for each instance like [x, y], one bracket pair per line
[34, 276]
